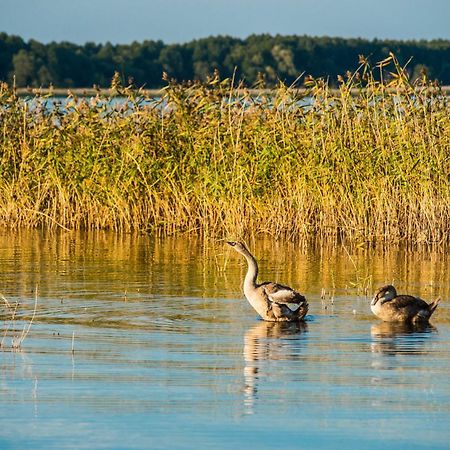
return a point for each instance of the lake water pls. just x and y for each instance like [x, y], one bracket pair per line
[168, 354]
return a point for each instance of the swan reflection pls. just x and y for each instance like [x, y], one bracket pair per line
[268, 341]
[400, 338]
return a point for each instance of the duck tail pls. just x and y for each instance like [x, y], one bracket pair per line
[433, 305]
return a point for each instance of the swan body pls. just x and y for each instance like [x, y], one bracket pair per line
[272, 301]
[390, 307]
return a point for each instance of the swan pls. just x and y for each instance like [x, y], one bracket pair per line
[390, 307]
[272, 301]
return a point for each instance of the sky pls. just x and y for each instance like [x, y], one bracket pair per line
[179, 21]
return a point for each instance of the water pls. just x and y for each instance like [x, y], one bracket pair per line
[168, 354]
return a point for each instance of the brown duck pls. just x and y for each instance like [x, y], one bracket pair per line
[390, 307]
[272, 301]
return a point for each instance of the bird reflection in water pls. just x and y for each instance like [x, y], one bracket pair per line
[268, 341]
[399, 338]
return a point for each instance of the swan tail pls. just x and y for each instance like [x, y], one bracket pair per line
[433, 305]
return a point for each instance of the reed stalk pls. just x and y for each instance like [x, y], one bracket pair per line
[17, 339]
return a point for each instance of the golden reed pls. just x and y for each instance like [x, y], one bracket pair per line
[369, 161]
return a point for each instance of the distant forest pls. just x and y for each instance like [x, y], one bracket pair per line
[271, 58]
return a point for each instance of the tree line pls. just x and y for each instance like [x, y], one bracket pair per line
[256, 59]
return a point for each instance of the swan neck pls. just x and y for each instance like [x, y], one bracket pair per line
[252, 272]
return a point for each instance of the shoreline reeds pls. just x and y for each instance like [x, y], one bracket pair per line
[369, 162]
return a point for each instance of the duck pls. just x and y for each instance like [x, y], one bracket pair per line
[391, 307]
[272, 301]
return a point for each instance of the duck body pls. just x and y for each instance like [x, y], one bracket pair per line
[272, 301]
[390, 307]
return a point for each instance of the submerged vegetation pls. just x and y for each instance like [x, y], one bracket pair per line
[368, 161]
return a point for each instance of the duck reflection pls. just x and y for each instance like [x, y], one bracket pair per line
[268, 341]
[400, 338]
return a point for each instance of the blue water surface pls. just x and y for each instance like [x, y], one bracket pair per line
[167, 354]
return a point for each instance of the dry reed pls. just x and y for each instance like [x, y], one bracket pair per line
[368, 162]
[17, 338]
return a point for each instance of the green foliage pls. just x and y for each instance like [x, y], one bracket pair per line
[368, 161]
[273, 58]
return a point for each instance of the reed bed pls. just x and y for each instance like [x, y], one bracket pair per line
[369, 161]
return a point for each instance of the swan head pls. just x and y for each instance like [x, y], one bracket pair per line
[384, 294]
[238, 246]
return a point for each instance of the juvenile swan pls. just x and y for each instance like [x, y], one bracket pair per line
[270, 300]
[390, 307]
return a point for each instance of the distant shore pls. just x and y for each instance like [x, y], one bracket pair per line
[91, 92]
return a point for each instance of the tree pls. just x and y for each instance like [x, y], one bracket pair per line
[259, 56]
[24, 68]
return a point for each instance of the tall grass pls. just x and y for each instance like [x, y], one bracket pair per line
[368, 161]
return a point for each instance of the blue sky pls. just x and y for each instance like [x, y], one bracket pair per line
[176, 21]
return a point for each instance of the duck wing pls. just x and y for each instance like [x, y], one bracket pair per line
[277, 293]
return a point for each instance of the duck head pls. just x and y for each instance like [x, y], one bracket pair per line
[384, 294]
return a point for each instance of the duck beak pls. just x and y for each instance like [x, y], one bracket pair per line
[374, 300]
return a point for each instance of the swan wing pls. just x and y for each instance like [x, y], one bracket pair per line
[405, 301]
[289, 311]
[281, 310]
[277, 293]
